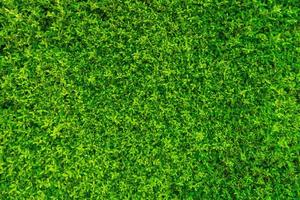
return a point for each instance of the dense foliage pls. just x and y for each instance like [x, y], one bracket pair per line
[152, 99]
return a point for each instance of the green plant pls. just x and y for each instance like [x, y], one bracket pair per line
[150, 99]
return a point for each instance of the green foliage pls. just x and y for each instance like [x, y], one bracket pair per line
[152, 99]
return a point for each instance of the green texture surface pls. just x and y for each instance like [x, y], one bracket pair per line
[159, 99]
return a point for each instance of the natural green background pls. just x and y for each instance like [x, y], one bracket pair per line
[159, 99]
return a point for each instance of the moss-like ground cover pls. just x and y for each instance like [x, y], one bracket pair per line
[157, 99]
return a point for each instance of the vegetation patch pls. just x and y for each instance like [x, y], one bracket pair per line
[152, 99]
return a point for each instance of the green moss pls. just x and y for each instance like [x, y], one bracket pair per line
[149, 99]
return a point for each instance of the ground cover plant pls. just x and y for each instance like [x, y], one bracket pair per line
[147, 99]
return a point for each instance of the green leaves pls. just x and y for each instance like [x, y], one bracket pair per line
[149, 99]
